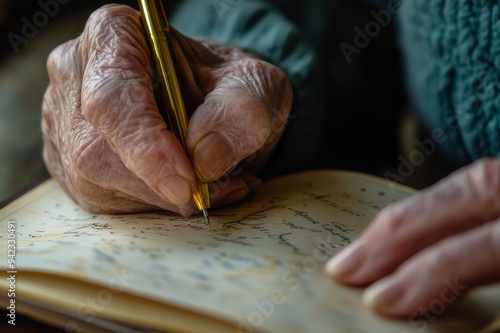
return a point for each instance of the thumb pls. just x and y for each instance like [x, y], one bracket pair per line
[228, 128]
[238, 118]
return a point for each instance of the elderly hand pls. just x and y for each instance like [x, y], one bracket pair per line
[427, 251]
[108, 145]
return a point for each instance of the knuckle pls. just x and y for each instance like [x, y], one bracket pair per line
[85, 200]
[83, 166]
[119, 67]
[90, 161]
[112, 30]
[47, 109]
[270, 84]
[437, 259]
[484, 179]
[61, 62]
[52, 159]
[391, 218]
[80, 185]
[89, 195]
[111, 12]
[487, 172]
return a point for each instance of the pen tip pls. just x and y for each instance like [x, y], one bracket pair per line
[205, 213]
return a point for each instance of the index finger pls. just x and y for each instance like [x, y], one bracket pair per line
[118, 100]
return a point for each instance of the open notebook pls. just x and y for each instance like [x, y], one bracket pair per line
[259, 268]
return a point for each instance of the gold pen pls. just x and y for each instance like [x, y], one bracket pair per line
[157, 28]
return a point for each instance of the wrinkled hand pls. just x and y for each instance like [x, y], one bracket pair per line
[431, 248]
[107, 144]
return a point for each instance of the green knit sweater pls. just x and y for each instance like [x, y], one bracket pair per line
[450, 50]
[452, 56]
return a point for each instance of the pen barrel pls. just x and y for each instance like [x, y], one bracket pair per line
[202, 198]
[172, 97]
[157, 28]
[153, 14]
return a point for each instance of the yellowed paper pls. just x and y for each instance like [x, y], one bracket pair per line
[259, 268]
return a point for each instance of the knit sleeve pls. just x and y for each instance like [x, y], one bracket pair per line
[258, 27]
[452, 54]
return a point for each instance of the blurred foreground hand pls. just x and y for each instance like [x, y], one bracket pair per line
[432, 247]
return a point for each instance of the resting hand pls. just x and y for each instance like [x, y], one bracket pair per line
[108, 145]
[431, 248]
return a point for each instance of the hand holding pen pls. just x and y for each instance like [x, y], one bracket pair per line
[106, 142]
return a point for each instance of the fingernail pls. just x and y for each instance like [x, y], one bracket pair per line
[234, 196]
[177, 189]
[213, 156]
[346, 262]
[383, 296]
